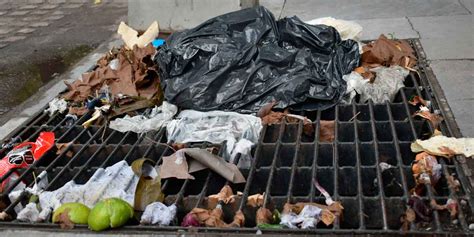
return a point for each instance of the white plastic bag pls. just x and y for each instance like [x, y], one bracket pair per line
[158, 213]
[215, 127]
[158, 117]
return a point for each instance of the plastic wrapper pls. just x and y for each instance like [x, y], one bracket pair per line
[158, 213]
[215, 127]
[387, 83]
[56, 105]
[158, 117]
[243, 60]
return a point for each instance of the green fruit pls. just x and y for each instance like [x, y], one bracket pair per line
[111, 212]
[78, 212]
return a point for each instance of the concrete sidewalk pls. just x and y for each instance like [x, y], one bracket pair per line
[445, 28]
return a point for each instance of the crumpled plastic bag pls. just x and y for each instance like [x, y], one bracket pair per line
[158, 117]
[158, 213]
[30, 213]
[56, 105]
[388, 81]
[215, 127]
[242, 60]
[115, 181]
[347, 29]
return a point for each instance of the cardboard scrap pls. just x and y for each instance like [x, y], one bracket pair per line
[445, 146]
[182, 163]
[130, 36]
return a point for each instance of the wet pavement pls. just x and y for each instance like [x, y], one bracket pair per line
[41, 39]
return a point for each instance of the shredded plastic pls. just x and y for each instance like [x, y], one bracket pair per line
[114, 181]
[387, 83]
[215, 127]
[158, 117]
[307, 218]
[56, 105]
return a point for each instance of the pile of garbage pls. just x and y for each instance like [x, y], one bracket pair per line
[222, 82]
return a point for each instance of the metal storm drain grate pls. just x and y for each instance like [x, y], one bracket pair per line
[285, 163]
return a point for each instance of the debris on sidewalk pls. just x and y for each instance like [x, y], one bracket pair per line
[278, 117]
[219, 66]
[415, 100]
[182, 163]
[215, 127]
[426, 169]
[445, 146]
[326, 130]
[347, 29]
[157, 118]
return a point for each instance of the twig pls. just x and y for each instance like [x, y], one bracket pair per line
[355, 116]
[160, 143]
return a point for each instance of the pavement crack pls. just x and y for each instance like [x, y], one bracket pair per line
[462, 5]
[413, 28]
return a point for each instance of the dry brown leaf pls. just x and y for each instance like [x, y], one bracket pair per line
[238, 221]
[417, 100]
[327, 217]
[225, 195]
[425, 163]
[64, 221]
[326, 130]
[266, 109]
[263, 216]
[213, 218]
[435, 119]
[256, 200]
[408, 218]
[453, 183]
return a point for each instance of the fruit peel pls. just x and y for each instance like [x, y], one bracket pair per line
[111, 212]
[78, 213]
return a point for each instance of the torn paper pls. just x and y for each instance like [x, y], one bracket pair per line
[445, 146]
[130, 36]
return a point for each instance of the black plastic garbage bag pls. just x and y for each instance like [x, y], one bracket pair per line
[243, 60]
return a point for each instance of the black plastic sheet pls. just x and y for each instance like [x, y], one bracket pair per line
[242, 60]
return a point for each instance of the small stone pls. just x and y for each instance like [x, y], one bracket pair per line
[57, 13]
[49, 6]
[40, 24]
[5, 31]
[19, 13]
[39, 12]
[71, 6]
[13, 38]
[53, 18]
[471, 226]
[28, 7]
[26, 30]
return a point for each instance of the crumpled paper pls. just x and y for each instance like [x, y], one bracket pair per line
[445, 146]
[215, 127]
[387, 83]
[158, 118]
[347, 29]
[158, 213]
[179, 166]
